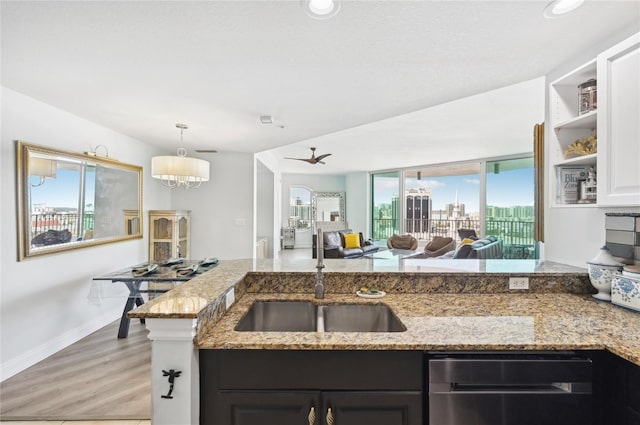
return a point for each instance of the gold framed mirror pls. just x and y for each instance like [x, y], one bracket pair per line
[70, 200]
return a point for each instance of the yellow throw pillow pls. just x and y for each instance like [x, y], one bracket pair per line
[351, 240]
[464, 248]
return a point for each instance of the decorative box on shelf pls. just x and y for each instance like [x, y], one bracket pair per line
[569, 178]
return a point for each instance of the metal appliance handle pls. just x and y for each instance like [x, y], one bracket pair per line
[551, 388]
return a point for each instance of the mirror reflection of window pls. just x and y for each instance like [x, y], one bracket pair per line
[55, 216]
[68, 200]
[328, 209]
[299, 207]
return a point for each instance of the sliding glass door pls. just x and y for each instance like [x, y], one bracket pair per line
[385, 201]
[509, 210]
[490, 197]
[440, 200]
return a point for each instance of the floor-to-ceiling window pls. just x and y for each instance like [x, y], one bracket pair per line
[385, 204]
[509, 205]
[492, 197]
[440, 200]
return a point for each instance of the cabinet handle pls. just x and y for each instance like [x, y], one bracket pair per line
[312, 416]
[329, 417]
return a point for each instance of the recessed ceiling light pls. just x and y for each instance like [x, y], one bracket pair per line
[557, 8]
[321, 9]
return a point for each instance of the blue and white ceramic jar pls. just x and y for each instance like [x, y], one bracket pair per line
[602, 268]
[625, 290]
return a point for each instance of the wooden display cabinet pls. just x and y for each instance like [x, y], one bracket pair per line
[169, 234]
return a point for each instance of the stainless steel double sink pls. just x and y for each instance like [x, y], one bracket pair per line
[305, 316]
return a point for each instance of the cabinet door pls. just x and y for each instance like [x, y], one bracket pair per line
[373, 407]
[620, 391]
[633, 394]
[264, 408]
[618, 124]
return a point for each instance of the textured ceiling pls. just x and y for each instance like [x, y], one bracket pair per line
[140, 67]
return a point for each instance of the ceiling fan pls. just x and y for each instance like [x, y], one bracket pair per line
[313, 159]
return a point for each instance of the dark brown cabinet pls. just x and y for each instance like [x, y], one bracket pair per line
[282, 387]
[263, 408]
[621, 391]
[374, 408]
[310, 407]
[271, 387]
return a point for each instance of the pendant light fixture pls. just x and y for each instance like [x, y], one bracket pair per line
[176, 171]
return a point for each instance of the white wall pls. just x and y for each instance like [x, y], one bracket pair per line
[271, 163]
[265, 201]
[222, 223]
[317, 183]
[358, 187]
[574, 235]
[43, 303]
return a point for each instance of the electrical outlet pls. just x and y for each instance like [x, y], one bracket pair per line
[518, 283]
[230, 297]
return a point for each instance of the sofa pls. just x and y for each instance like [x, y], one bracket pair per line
[344, 244]
[487, 248]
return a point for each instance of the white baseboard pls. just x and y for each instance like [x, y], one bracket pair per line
[52, 346]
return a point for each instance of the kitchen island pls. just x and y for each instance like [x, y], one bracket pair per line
[445, 305]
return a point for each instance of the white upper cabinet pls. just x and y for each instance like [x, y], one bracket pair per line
[619, 124]
[613, 116]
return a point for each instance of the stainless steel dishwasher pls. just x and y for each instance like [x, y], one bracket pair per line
[510, 389]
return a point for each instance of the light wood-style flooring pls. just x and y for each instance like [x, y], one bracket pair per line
[98, 378]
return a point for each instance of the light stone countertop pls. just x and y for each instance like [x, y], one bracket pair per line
[454, 322]
[189, 300]
[445, 305]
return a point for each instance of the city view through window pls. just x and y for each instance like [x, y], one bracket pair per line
[436, 203]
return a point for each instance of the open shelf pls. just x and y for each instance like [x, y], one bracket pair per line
[587, 121]
[580, 160]
[578, 75]
[570, 126]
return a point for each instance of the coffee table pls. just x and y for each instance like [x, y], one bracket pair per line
[390, 254]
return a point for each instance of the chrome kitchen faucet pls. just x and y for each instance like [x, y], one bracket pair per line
[319, 288]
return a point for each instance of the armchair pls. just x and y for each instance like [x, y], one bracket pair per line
[405, 241]
[439, 246]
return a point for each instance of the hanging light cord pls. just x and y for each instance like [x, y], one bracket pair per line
[182, 151]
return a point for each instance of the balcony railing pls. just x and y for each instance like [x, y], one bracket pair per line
[517, 236]
[55, 221]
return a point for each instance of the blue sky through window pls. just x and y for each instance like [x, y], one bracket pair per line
[509, 188]
[62, 191]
